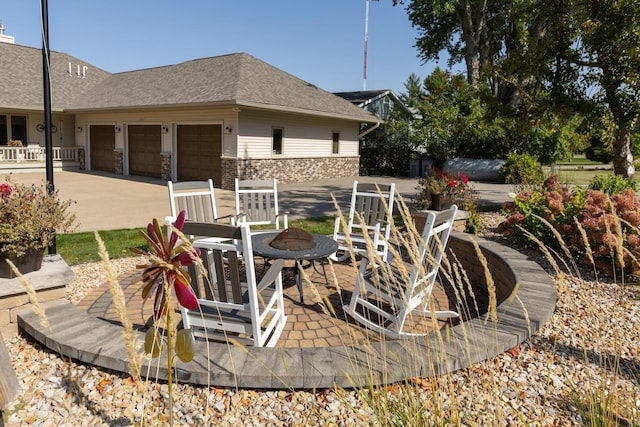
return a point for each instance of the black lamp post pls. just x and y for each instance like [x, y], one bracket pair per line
[46, 84]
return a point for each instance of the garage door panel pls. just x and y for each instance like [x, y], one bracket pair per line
[199, 152]
[102, 143]
[145, 145]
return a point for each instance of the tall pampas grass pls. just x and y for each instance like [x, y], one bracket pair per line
[131, 343]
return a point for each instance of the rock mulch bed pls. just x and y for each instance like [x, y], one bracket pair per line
[592, 341]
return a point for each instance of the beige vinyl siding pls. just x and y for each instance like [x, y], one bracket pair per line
[304, 136]
[199, 114]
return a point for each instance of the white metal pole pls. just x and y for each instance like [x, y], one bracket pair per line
[366, 42]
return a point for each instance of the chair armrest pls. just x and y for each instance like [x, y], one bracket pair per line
[271, 275]
[285, 219]
[230, 217]
[240, 218]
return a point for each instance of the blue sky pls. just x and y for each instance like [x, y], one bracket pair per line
[321, 41]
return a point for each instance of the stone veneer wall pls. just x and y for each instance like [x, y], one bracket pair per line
[288, 170]
[118, 162]
[81, 159]
[48, 283]
[165, 167]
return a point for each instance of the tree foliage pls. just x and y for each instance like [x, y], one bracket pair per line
[610, 54]
[550, 62]
[388, 149]
[458, 120]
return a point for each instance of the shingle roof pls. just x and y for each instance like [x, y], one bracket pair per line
[367, 99]
[238, 79]
[361, 96]
[21, 78]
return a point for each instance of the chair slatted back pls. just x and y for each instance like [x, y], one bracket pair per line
[221, 261]
[370, 216]
[196, 198]
[435, 237]
[369, 201]
[258, 201]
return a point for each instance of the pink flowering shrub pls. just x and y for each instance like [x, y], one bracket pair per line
[556, 204]
[611, 224]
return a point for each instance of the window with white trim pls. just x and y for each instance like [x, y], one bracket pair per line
[335, 145]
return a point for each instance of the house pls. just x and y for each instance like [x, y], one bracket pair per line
[221, 117]
[379, 102]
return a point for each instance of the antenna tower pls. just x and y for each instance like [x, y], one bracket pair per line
[366, 43]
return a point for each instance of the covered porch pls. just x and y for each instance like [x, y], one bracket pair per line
[32, 158]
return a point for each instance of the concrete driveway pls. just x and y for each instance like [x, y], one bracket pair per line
[105, 201]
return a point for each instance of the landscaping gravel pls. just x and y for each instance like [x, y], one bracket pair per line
[591, 344]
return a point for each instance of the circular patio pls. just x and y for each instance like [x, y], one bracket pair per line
[320, 349]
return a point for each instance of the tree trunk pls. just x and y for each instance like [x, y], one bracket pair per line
[622, 157]
[471, 40]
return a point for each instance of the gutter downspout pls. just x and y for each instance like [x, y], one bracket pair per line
[368, 131]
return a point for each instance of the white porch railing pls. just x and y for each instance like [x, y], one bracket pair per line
[36, 154]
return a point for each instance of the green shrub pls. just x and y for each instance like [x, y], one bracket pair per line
[521, 169]
[611, 184]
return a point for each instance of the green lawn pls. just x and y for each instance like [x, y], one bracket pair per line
[578, 159]
[581, 176]
[77, 248]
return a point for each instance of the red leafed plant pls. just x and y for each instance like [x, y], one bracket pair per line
[165, 271]
[599, 229]
[167, 260]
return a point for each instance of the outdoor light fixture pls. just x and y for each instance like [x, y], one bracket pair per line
[79, 128]
[117, 128]
[165, 129]
[228, 129]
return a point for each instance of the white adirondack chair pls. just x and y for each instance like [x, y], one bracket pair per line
[370, 212]
[385, 295]
[196, 198]
[233, 304]
[257, 204]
